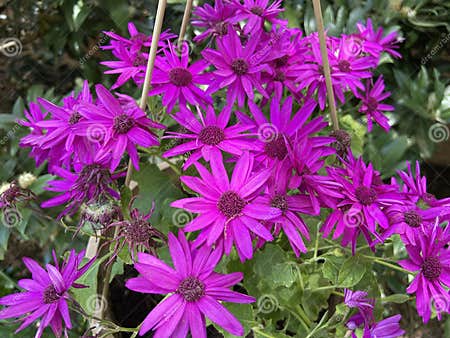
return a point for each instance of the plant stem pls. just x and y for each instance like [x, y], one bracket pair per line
[325, 63]
[184, 23]
[392, 266]
[318, 326]
[149, 71]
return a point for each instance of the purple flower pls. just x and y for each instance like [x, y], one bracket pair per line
[362, 208]
[216, 20]
[228, 211]
[177, 81]
[37, 135]
[196, 291]
[207, 135]
[257, 12]
[430, 258]
[374, 43]
[61, 135]
[15, 194]
[276, 132]
[89, 183]
[46, 294]
[359, 300]
[121, 125]
[372, 106]
[290, 206]
[415, 188]
[238, 68]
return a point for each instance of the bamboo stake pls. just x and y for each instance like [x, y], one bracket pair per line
[150, 65]
[184, 23]
[326, 63]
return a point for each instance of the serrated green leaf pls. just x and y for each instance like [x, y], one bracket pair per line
[351, 272]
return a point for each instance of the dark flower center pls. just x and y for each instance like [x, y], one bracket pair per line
[230, 204]
[431, 268]
[191, 288]
[320, 70]
[344, 66]
[138, 231]
[366, 195]
[211, 135]
[343, 141]
[180, 76]
[279, 76]
[412, 218]
[257, 10]
[276, 148]
[280, 202]
[239, 66]
[139, 60]
[123, 123]
[282, 61]
[92, 181]
[221, 28]
[372, 104]
[50, 295]
[74, 118]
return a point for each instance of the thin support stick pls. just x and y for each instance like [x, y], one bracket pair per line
[326, 63]
[184, 23]
[150, 65]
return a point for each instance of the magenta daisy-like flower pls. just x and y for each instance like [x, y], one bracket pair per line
[86, 184]
[34, 139]
[415, 188]
[61, 127]
[375, 43]
[362, 208]
[228, 210]
[237, 67]
[372, 106]
[275, 133]
[359, 300]
[46, 294]
[215, 20]
[408, 219]
[121, 124]
[386, 328]
[290, 206]
[209, 134]
[430, 258]
[178, 81]
[256, 12]
[196, 291]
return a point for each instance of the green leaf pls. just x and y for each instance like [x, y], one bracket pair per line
[331, 268]
[397, 298]
[352, 271]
